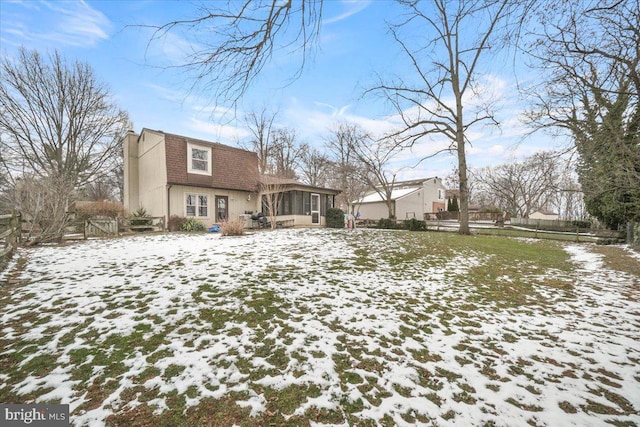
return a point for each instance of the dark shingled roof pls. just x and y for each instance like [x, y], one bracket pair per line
[287, 183]
[232, 168]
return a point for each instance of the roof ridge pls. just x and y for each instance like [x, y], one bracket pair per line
[190, 138]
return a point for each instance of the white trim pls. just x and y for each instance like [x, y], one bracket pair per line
[316, 211]
[190, 168]
[197, 205]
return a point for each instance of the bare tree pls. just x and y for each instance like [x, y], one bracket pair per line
[347, 169]
[446, 68]
[232, 41]
[43, 203]
[271, 192]
[110, 186]
[248, 31]
[6, 182]
[524, 187]
[314, 166]
[260, 124]
[569, 199]
[452, 181]
[285, 152]
[375, 156]
[99, 190]
[60, 122]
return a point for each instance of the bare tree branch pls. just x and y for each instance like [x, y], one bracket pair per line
[60, 122]
[446, 68]
[231, 43]
[592, 58]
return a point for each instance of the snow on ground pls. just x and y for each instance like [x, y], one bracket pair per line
[324, 311]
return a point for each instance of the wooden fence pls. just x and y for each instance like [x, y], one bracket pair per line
[543, 223]
[107, 226]
[10, 230]
[100, 227]
[454, 216]
[92, 227]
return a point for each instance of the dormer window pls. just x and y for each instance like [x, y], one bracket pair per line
[199, 159]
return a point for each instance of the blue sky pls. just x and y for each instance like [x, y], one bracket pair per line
[354, 46]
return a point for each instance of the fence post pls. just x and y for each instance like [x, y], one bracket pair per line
[86, 225]
[19, 227]
[11, 238]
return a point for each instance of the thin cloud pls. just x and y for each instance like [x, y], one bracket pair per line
[172, 49]
[225, 134]
[354, 7]
[66, 23]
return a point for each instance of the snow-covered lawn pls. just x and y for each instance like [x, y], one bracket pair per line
[324, 327]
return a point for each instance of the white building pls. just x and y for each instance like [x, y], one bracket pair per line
[411, 199]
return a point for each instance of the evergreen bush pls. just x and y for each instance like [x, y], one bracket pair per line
[415, 225]
[142, 214]
[192, 224]
[453, 205]
[581, 223]
[335, 218]
[388, 224]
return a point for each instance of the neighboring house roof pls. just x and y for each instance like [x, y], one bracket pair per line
[413, 182]
[400, 189]
[395, 194]
[287, 183]
[231, 168]
[545, 212]
[453, 192]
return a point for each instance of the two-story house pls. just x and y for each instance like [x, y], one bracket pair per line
[168, 174]
[412, 199]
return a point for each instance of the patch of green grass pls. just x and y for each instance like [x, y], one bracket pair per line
[567, 407]
[423, 355]
[600, 408]
[39, 365]
[524, 406]
[449, 415]
[616, 258]
[254, 323]
[493, 387]
[173, 371]
[450, 376]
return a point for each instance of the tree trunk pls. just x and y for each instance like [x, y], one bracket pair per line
[464, 191]
[390, 206]
[462, 163]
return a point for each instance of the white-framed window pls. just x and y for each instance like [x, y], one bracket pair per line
[440, 194]
[203, 207]
[196, 205]
[199, 159]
